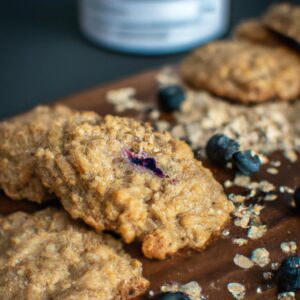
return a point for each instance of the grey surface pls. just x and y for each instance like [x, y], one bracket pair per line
[44, 57]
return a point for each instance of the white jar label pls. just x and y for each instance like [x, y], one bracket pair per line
[153, 26]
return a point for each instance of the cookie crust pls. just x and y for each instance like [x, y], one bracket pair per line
[87, 169]
[49, 256]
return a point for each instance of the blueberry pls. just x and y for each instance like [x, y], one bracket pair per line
[246, 162]
[220, 148]
[173, 296]
[171, 97]
[136, 161]
[297, 197]
[288, 276]
[149, 163]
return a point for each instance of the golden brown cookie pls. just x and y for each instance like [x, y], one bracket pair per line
[255, 32]
[243, 71]
[284, 18]
[122, 176]
[49, 256]
[20, 137]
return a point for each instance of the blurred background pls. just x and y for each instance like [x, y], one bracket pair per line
[44, 56]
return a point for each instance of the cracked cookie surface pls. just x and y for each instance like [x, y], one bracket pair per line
[48, 255]
[243, 71]
[104, 174]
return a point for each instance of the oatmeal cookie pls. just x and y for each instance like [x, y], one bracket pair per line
[20, 137]
[255, 32]
[243, 71]
[49, 256]
[122, 176]
[284, 19]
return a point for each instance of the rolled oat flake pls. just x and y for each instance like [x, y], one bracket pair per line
[153, 27]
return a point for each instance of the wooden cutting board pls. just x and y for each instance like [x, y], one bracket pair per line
[213, 268]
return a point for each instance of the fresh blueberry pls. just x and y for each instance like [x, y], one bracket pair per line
[288, 276]
[171, 97]
[173, 296]
[297, 197]
[220, 148]
[246, 162]
[149, 163]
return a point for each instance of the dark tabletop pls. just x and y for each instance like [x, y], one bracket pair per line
[44, 57]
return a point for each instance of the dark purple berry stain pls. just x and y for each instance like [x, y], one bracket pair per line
[141, 160]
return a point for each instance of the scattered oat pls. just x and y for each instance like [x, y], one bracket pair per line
[267, 276]
[226, 232]
[286, 189]
[151, 294]
[275, 163]
[240, 242]
[286, 296]
[272, 171]
[291, 155]
[258, 290]
[237, 290]
[288, 247]
[243, 261]
[260, 256]
[270, 197]
[125, 99]
[227, 184]
[192, 289]
[154, 114]
[256, 232]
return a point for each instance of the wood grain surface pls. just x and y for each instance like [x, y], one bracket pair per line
[213, 268]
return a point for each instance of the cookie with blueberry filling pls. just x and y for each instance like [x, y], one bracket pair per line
[48, 255]
[243, 71]
[122, 176]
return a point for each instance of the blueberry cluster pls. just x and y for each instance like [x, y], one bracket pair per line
[173, 296]
[171, 97]
[288, 275]
[222, 149]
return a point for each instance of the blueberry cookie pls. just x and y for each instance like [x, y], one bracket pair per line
[122, 176]
[284, 19]
[244, 72]
[19, 139]
[49, 256]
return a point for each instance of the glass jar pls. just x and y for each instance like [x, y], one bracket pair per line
[153, 27]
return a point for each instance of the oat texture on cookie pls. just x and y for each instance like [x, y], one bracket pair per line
[19, 138]
[49, 256]
[122, 176]
[243, 71]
